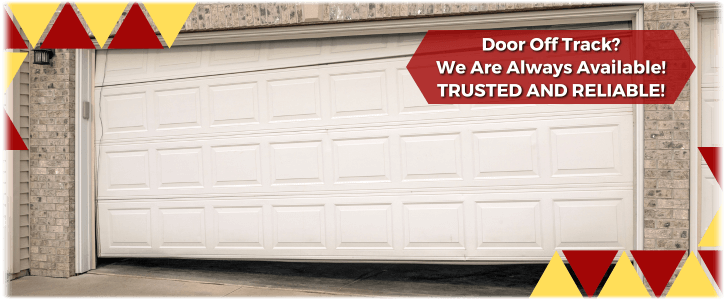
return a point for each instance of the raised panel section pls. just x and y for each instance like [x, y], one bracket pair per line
[224, 54]
[585, 151]
[431, 157]
[239, 227]
[234, 104]
[124, 113]
[711, 117]
[589, 223]
[128, 170]
[410, 39]
[236, 165]
[362, 160]
[294, 99]
[177, 58]
[410, 99]
[299, 227]
[297, 163]
[182, 227]
[294, 48]
[433, 226]
[178, 109]
[710, 43]
[129, 228]
[125, 61]
[506, 154]
[180, 168]
[358, 43]
[509, 224]
[364, 226]
[362, 94]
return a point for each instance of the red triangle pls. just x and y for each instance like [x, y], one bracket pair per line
[712, 258]
[712, 156]
[67, 32]
[13, 40]
[590, 266]
[13, 141]
[658, 266]
[135, 32]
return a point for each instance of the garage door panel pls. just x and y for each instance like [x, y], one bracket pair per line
[506, 153]
[177, 109]
[183, 227]
[192, 61]
[180, 168]
[364, 226]
[515, 225]
[295, 99]
[433, 226]
[297, 163]
[127, 169]
[125, 113]
[493, 155]
[509, 224]
[236, 165]
[175, 59]
[354, 95]
[599, 216]
[359, 94]
[233, 104]
[237, 227]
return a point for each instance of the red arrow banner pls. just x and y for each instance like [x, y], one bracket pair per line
[13, 140]
[712, 156]
[551, 67]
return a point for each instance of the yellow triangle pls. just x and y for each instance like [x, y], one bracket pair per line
[556, 281]
[33, 18]
[169, 18]
[101, 18]
[624, 281]
[13, 61]
[692, 281]
[712, 236]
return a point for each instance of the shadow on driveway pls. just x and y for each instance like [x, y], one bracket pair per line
[374, 279]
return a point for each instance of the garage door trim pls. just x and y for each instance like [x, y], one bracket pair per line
[632, 13]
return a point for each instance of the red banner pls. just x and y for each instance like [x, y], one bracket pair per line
[551, 67]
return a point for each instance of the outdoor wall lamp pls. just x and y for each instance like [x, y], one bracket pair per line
[43, 56]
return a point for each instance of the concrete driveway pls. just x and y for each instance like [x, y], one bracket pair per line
[176, 277]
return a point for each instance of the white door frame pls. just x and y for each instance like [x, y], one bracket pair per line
[85, 151]
[696, 10]
[85, 163]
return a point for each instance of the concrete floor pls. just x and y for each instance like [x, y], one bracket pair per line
[176, 277]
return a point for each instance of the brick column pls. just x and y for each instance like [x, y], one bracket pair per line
[667, 144]
[52, 163]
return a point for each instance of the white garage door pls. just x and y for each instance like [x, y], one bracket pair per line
[325, 149]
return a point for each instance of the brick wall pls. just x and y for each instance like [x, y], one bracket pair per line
[667, 144]
[52, 163]
[206, 16]
[228, 16]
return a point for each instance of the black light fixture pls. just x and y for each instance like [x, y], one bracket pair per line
[43, 56]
